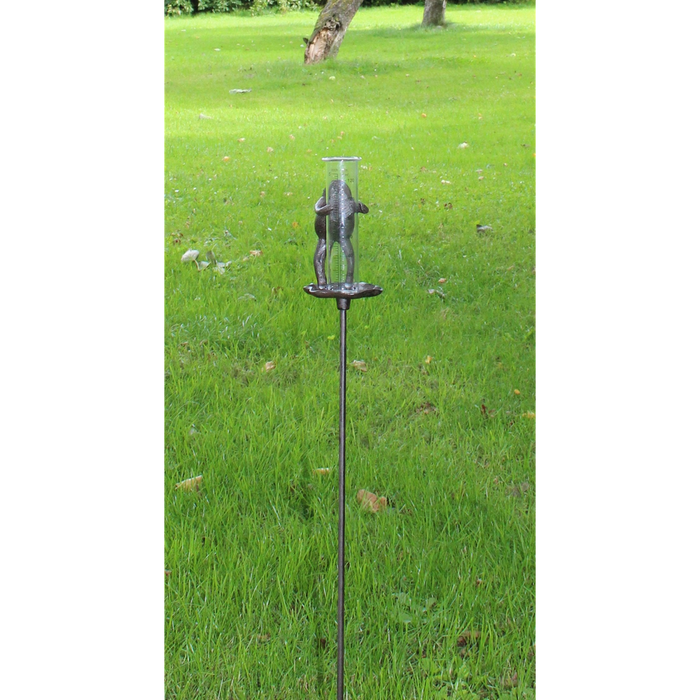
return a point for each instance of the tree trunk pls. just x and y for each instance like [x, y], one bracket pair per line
[434, 13]
[330, 29]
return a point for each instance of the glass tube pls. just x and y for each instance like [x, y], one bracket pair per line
[342, 236]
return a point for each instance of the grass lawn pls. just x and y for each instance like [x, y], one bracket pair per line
[440, 588]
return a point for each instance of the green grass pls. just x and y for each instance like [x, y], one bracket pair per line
[250, 603]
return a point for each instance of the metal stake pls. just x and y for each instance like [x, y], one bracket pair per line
[342, 297]
[343, 305]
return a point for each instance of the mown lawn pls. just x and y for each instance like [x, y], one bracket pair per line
[440, 589]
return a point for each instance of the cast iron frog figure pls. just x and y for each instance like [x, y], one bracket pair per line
[340, 209]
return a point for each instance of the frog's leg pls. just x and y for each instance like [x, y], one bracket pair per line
[320, 261]
[346, 245]
[360, 208]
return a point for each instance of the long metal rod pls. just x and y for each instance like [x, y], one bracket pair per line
[341, 505]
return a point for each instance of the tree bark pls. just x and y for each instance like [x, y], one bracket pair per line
[434, 13]
[330, 30]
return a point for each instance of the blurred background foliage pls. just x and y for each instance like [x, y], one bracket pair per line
[187, 7]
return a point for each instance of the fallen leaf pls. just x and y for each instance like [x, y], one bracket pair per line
[442, 280]
[481, 177]
[189, 256]
[428, 360]
[204, 116]
[269, 366]
[445, 182]
[322, 470]
[424, 115]
[528, 414]
[441, 294]
[270, 149]
[448, 205]
[264, 638]
[463, 145]
[331, 77]
[237, 91]
[295, 224]
[226, 159]
[241, 140]
[516, 392]
[370, 502]
[168, 572]
[256, 253]
[359, 364]
[292, 137]
[426, 407]
[190, 484]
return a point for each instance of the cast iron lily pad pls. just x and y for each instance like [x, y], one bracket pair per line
[354, 291]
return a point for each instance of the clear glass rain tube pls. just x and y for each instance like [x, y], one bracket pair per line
[342, 235]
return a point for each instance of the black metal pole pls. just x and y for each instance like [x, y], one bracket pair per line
[343, 305]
